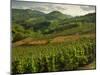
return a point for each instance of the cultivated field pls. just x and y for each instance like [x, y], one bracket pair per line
[53, 41]
[72, 54]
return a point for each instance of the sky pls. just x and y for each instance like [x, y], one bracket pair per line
[68, 9]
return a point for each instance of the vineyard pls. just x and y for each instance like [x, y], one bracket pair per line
[52, 37]
[53, 57]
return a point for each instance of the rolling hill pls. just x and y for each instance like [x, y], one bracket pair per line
[36, 24]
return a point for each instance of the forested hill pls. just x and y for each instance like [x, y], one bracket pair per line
[56, 15]
[32, 23]
[22, 14]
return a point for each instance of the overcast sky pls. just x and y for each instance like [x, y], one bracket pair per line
[73, 10]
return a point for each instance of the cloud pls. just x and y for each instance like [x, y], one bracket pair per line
[88, 8]
[73, 10]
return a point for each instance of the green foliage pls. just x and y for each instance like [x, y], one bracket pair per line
[53, 57]
[53, 23]
[56, 15]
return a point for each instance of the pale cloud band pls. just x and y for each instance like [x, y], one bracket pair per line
[73, 10]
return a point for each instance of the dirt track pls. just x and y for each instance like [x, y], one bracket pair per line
[58, 39]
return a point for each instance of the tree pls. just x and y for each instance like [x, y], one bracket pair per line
[54, 24]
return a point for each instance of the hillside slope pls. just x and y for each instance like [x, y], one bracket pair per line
[36, 24]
